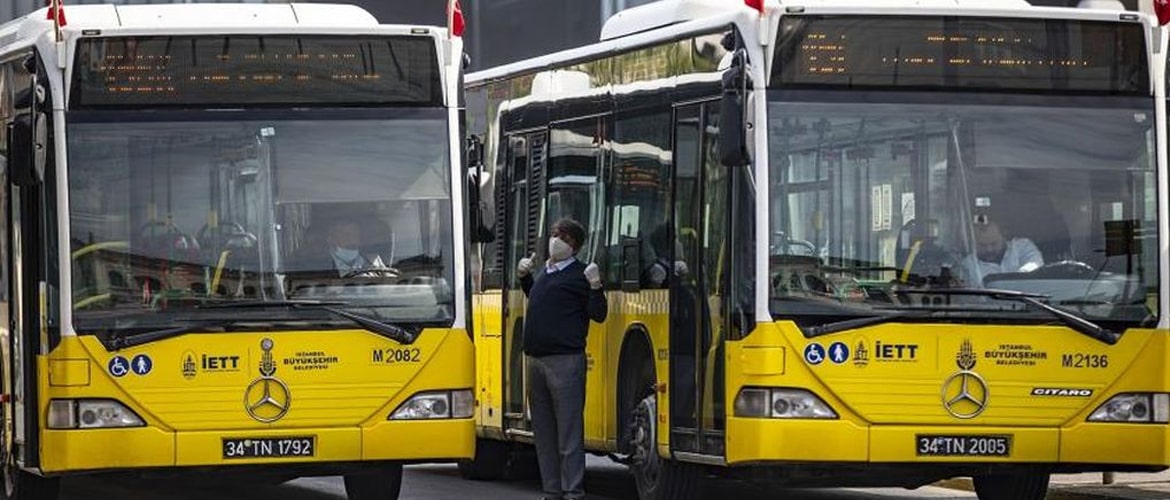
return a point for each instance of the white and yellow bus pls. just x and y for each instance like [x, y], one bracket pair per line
[844, 243]
[229, 245]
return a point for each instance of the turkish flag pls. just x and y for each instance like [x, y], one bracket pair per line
[455, 21]
[1162, 9]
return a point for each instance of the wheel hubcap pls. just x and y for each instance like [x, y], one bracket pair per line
[645, 459]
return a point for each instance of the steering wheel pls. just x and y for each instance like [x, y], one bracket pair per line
[385, 272]
[1066, 269]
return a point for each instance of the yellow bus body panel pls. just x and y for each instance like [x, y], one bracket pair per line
[884, 398]
[894, 392]
[342, 385]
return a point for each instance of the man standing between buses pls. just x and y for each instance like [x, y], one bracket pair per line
[562, 297]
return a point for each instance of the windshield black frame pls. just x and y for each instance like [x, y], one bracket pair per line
[434, 207]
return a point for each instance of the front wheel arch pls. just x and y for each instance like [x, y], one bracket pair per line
[636, 378]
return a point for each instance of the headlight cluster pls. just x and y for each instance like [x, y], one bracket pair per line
[763, 402]
[436, 405]
[91, 414]
[1134, 407]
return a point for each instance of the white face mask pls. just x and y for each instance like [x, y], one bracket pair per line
[346, 254]
[558, 250]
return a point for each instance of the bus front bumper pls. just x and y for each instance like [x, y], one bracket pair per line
[65, 451]
[1106, 445]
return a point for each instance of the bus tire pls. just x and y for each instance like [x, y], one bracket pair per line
[1026, 486]
[490, 461]
[522, 464]
[21, 485]
[384, 483]
[657, 478]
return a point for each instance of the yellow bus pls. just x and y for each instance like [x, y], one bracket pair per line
[229, 245]
[844, 244]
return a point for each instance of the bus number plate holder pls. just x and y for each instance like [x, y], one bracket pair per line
[937, 445]
[269, 447]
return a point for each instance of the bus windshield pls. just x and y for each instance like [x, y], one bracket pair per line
[171, 211]
[875, 204]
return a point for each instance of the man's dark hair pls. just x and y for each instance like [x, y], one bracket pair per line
[573, 229]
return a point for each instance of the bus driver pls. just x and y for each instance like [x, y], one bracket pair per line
[995, 253]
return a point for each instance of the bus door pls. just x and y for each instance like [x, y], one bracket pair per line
[697, 322]
[29, 176]
[524, 195]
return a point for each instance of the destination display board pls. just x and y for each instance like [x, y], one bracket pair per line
[251, 70]
[962, 53]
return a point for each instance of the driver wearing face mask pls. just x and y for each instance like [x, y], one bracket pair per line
[345, 240]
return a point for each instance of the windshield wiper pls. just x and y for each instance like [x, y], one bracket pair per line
[1077, 323]
[117, 341]
[852, 324]
[392, 332]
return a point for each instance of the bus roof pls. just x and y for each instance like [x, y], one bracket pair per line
[192, 18]
[647, 24]
[668, 12]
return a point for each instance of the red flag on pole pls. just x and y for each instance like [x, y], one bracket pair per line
[1162, 9]
[56, 13]
[455, 21]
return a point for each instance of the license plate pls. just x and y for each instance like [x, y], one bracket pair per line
[269, 447]
[927, 445]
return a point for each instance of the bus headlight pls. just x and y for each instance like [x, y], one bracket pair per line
[436, 405]
[91, 414]
[1134, 407]
[761, 402]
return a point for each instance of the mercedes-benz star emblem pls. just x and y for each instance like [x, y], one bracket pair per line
[965, 393]
[267, 398]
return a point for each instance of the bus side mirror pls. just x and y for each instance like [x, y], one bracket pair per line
[732, 128]
[26, 154]
[475, 215]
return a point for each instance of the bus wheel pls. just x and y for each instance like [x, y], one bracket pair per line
[383, 483]
[655, 477]
[490, 462]
[20, 485]
[1027, 486]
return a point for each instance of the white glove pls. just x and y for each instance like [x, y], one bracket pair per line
[593, 276]
[680, 268]
[524, 267]
[657, 274]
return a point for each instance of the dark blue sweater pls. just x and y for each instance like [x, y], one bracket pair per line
[560, 306]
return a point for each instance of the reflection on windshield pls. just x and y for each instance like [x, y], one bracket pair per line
[167, 216]
[873, 205]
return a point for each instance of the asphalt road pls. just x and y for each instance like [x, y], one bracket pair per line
[605, 481]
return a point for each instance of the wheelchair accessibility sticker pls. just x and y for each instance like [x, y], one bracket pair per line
[119, 366]
[814, 354]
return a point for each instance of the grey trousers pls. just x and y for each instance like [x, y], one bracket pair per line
[556, 398]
